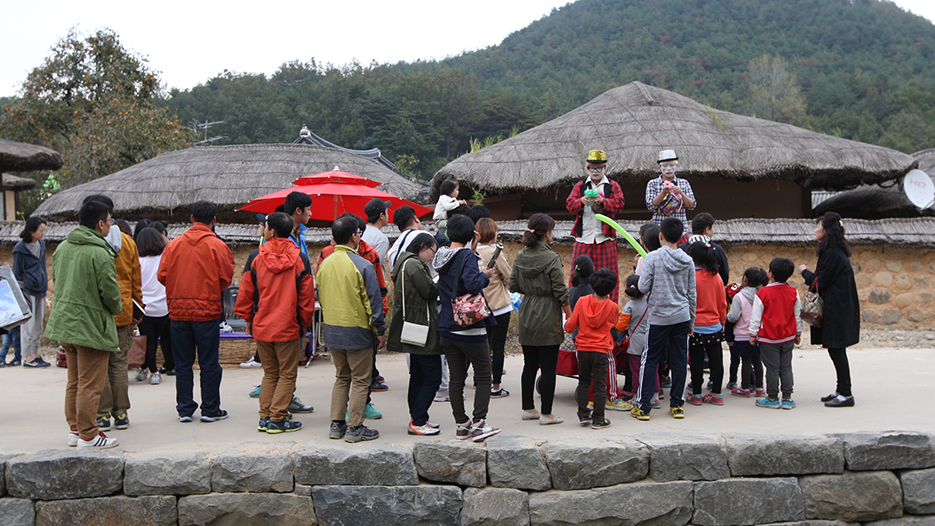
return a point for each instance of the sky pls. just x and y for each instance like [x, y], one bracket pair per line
[189, 42]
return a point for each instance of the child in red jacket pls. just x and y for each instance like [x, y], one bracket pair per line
[711, 314]
[594, 316]
[276, 299]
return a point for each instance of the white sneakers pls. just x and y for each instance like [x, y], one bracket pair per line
[100, 441]
[251, 363]
[155, 379]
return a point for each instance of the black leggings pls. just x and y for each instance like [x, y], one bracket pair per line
[156, 331]
[751, 376]
[843, 369]
[698, 347]
[497, 338]
[534, 357]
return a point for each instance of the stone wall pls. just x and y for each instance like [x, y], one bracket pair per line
[657, 478]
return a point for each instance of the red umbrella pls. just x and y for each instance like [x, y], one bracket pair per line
[329, 200]
[336, 176]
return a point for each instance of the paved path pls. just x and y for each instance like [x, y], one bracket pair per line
[891, 389]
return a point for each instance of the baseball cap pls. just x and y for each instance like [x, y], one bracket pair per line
[376, 207]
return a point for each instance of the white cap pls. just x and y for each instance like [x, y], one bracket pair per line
[667, 155]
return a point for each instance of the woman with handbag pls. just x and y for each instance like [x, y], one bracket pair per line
[840, 322]
[412, 328]
[498, 297]
[462, 325]
[538, 275]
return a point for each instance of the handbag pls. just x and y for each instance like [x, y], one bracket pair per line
[412, 333]
[136, 356]
[468, 309]
[813, 307]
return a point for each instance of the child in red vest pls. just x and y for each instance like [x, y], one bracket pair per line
[776, 325]
[594, 316]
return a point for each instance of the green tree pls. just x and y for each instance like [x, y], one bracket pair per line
[774, 93]
[94, 101]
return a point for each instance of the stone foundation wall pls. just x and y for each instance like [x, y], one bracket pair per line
[657, 478]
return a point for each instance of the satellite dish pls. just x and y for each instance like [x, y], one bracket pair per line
[919, 189]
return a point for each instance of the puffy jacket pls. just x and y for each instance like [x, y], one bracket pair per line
[351, 306]
[593, 319]
[284, 294]
[30, 270]
[195, 268]
[537, 274]
[421, 296]
[86, 292]
[130, 279]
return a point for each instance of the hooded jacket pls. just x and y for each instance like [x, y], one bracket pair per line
[449, 262]
[538, 275]
[741, 308]
[593, 318]
[668, 276]
[283, 295]
[30, 270]
[86, 292]
[421, 296]
[351, 305]
[195, 268]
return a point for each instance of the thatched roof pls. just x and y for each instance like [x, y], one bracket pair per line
[165, 186]
[918, 232]
[879, 201]
[634, 122]
[19, 183]
[22, 157]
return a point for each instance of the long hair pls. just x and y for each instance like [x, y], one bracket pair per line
[538, 226]
[834, 234]
[150, 242]
[32, 224]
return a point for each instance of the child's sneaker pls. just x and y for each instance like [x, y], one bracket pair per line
[597, 424]
[772, 403]
[499, 393]
[787, 403]
[711, 398]
[737, 391]
[480, 431]
[760, 393]
[360, 433]
[591, 406]
[666, 382]
[287, 425]
[732, 385]
[100, 441]
[618, 405]
[656, 403]
[338, 429]
[463, 431]
[677, 412]
[585, 421]
[695, 399]
[710, 385]
[422, 430]
[638, 413]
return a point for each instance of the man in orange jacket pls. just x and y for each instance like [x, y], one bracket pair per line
[277, 299]
[195, 268]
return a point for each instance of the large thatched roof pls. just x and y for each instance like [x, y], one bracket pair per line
[164, 187]
[633, 122]
[22, 157]
[879, 201]
[19, 183]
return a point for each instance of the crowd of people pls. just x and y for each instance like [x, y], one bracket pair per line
[453, 297]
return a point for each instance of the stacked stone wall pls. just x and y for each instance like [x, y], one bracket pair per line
[883, 479]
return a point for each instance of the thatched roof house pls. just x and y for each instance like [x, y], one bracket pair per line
[22, 157]
[777, 164]
[880, 201]
[165, 186]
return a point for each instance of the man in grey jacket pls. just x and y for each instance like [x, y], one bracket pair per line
[668, 277]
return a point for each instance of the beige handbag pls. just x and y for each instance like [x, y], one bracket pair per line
[412, 333]
[813, 307]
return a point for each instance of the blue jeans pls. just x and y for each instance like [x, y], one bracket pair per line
[425, 374]
[670, 341]
[11, 339]
[205, 336]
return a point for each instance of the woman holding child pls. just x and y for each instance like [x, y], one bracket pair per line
[834, 280]
[538, 275]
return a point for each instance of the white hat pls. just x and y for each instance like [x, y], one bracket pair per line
[667, 155]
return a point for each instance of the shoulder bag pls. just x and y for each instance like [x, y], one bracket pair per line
[814, 306]
[412, 333]
[467, 309]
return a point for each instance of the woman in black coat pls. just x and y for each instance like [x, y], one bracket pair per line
[840, 326]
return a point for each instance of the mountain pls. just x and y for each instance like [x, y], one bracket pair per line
[859, 69]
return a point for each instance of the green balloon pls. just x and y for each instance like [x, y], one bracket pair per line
[639, 248]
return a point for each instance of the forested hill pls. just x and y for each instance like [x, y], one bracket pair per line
[860, 69]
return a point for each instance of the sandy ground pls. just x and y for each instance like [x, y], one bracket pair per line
[31, 403]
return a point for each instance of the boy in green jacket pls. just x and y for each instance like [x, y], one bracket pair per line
[87, 297]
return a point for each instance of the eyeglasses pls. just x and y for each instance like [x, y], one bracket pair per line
[595, 169]
[359, 232]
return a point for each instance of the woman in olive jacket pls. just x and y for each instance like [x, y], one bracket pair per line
[537, 274]
[840, 326]
[413, 285]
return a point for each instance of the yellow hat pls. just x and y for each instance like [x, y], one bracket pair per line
[597, 157]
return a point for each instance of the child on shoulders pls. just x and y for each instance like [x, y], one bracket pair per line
[776, 324]
[594, 316]
[447, 201]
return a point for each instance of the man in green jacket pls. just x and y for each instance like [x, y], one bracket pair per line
[87, 297]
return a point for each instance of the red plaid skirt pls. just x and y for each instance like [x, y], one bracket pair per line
[603, 255]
